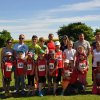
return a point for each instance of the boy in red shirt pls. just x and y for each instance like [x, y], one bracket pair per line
[30, 71]
[96, 79]
[6, 68]
[41, 70]
[20, 72]
[52, 71]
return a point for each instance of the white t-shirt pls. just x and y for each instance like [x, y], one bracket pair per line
[96, 57]
[21, 47]
[69, 54]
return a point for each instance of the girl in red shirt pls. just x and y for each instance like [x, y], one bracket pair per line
[30, 71]
[82, 66]
[59, 56]
[6, 68]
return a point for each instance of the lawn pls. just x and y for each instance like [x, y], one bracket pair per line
[87, 96]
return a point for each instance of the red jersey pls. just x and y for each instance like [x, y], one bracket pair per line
[29, 66]
[82, 66]
[51, 45]
[20, 66]
[51, 66]
[67, 73]
[7, 68]
[59, 57]
[41, 66]
[74, 77]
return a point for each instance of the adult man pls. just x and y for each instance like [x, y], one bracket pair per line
[21, 46]
[84, 43]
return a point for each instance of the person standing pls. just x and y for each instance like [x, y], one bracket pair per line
[84, 43]
[64, 42]
[21, 46]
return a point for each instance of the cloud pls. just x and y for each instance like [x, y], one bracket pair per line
[11, 21]
[90, 5]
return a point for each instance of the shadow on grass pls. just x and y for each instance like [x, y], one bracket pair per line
[44, 91]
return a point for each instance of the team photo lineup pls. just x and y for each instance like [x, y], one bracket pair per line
[59, 67]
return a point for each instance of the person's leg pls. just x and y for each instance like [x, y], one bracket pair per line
[29, 84]
[32, 84]
[22, 83]
[17, 83]
[65, 84]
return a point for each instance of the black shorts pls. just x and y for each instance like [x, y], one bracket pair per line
[52, 78]
[30, 80]
[7, 80]
[42, 79]
[59, 74]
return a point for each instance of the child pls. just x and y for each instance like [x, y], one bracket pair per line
[96, 79]
[70, 53]
[30, 66]
[20, 72]
[82, 66]
[6, 67]
[67, 71]
[41, 70]
[59, 57]
[52, 71]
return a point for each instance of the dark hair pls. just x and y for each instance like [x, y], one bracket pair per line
[9, 40]
[34, 36]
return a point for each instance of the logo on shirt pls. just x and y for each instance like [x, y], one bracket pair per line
[20, 65]
[29, 66]
[41, 67]
[51, 66]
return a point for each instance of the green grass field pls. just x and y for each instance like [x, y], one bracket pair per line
[87, 96]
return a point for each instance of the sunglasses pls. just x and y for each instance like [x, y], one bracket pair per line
[9, 42]
[21, 38]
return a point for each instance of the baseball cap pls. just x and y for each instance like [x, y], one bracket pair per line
[57, 43]
[42, 51]
[20, 51]
[8, 54]
[66, 61]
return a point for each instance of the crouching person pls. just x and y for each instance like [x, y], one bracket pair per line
[67, 71]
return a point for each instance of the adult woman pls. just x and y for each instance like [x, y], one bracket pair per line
[64, 42]
[7, 48]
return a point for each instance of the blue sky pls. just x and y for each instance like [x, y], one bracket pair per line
[41, 17]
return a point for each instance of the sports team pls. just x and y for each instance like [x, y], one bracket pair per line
[54, 66]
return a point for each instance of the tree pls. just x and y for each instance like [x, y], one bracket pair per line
[74, 29]
[4, 36]
[97, 30]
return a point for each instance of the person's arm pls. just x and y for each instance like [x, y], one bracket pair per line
[36, 70]
[2, 54]
[89, 48]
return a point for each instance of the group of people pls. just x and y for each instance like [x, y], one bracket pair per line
[46, 64]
